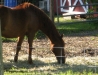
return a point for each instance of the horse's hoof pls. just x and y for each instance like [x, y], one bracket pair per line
[30, 62]
[15, 59]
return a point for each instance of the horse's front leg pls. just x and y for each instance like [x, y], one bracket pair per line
[30, 55]
[20, 40]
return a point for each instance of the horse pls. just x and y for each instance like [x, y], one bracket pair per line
[25, 20]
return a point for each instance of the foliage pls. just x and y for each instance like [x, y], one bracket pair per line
[94, 6]
[35, 2]
[92, 1]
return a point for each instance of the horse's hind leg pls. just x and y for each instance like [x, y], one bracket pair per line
[30, 40]
[20, 40]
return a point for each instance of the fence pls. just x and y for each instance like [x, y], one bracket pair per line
[88, 13]
[44, 60]
[1, 60]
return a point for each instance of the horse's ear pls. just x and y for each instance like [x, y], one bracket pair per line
[62, 35]
[51, 46]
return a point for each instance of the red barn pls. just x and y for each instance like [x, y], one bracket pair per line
[72, 10]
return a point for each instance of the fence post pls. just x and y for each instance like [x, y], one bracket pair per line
[1, 58]
[52, 10]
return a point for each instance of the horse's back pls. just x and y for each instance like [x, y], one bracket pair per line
[13, 22]
[23, 18]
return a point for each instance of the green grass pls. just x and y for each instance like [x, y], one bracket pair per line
[69, 72]
[75, 27]
[65, 29]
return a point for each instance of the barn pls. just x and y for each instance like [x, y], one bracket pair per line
[65, 6]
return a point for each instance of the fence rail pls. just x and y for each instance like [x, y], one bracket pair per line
[94, 4]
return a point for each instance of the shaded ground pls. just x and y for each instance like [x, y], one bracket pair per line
[81, 49]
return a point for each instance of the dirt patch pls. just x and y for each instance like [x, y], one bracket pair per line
[76, 44]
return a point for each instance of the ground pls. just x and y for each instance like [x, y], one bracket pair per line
[81, 49]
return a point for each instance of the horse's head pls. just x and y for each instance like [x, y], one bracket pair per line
[58, 50]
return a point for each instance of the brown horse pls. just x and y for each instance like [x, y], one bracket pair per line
[27, 19]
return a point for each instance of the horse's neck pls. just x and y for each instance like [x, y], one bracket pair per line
[54, 40]
[50, 30]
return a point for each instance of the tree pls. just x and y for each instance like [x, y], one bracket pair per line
[95, 7]
[36, 2]
[92, 1]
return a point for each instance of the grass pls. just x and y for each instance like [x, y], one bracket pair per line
[43, 68]
[75, 27]
[66, 29]
[25, 71]
[61, 73]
